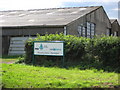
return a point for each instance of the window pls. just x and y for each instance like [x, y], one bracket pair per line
[92, 30]
[83, 32]
[87, 30]
[80, 30]
[116, 33]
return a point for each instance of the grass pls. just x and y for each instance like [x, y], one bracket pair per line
[6, 59]
[25, 76]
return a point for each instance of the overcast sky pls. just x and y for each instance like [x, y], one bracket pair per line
[110, 6]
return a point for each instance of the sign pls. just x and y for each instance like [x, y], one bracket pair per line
[52, 48]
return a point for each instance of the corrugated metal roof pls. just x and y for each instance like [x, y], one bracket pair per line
[112, 20]
[39, 17]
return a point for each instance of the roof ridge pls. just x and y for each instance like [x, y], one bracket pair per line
[49, 8]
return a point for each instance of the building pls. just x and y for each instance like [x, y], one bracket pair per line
[79, 21]
[115, 27]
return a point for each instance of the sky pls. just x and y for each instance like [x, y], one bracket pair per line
[110, 6]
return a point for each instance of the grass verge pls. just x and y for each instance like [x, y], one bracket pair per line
[25, 76]
[8, 59]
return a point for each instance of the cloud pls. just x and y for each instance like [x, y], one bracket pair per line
[35, 4]
[116, 9]
[29, 4]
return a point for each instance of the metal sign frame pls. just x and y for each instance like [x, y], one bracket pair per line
[33, 59]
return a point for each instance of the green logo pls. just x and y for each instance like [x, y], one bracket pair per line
[41, 47]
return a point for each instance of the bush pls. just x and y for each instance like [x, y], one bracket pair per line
[98, 52]
[107, 49]
[74, 46]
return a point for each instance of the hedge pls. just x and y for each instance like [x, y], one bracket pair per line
[98, 52]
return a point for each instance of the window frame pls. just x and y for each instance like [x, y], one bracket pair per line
[87, 29]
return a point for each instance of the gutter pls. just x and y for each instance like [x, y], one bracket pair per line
[32, 26]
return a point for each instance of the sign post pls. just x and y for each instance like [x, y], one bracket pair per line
[48, 48]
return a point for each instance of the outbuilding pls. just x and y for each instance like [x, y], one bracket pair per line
[115, 27]
[79, 21]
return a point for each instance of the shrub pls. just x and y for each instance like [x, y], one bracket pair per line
[98, 52]
[107, 49]
[74, 47]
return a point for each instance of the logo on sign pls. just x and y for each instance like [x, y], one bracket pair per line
[55, 49]
[41, 47]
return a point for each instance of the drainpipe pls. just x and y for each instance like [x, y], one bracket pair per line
[65, 30]
[86, 25]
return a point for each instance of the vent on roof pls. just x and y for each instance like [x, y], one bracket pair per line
[35, 11]
[32, 11]
[82, 9]
[50, 13]
[74, 12]
[2, 21]
[60, 9]
[31, 20]
[2, 15]
[22, 15]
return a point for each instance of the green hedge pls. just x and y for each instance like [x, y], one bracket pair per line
[107, 49]
[98, 52]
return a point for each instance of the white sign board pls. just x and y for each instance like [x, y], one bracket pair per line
[49, 48]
